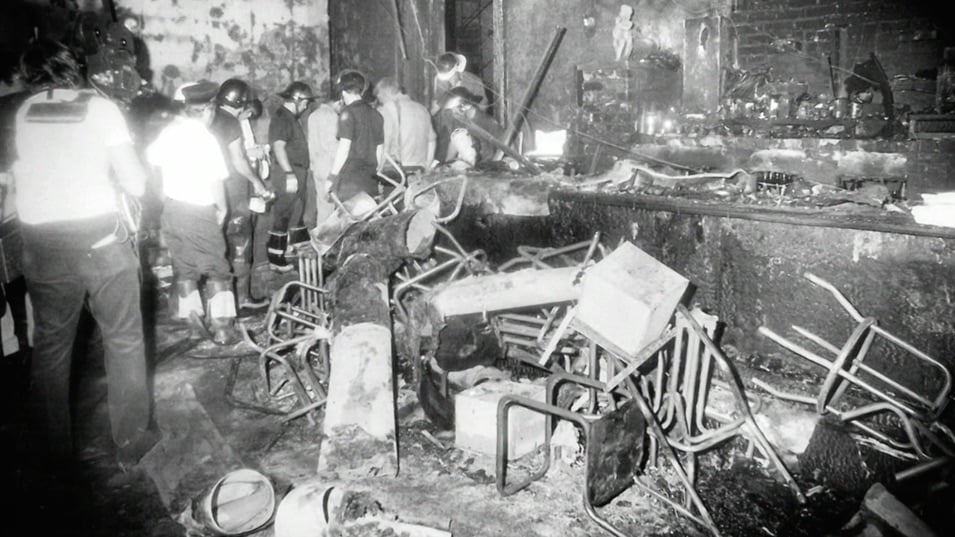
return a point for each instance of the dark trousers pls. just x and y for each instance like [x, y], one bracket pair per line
[238, 225]
[62, 270]
[356, 176]
[287, 209]
[195, 241]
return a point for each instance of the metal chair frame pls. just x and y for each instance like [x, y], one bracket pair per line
[296, 327]
[680, 389]
[848, 362]
[917, 412]
[550, 410]
[679, 397]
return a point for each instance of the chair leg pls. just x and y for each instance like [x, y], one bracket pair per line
[595, 516]
[503, 408]
[657, 431]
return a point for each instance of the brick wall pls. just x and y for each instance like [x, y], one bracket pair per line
[795, 37]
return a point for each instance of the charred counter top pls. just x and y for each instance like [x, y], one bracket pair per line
[845, 216]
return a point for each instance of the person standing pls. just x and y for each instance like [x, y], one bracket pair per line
[409, 138]
[194, 171]
[232, 100]
[289, 172]
[452, 73]
[70, 144]
[322, 131]
[360, 142]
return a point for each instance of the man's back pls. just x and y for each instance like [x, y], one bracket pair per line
[63, 163]
[364, 126]
[408, 131]
[322, 138]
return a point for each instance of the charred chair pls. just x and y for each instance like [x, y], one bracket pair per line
[613, 438]
[917, 409]
[296, 340]
[668, 382]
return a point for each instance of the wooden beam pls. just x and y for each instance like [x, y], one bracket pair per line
[506, 291]
[500, 63]
[515, 124]
[359, 430]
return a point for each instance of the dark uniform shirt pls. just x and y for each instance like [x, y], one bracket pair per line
[364, 126]
[226, 129]
[285, 127]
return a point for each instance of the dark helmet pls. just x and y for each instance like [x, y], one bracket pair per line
[297, 91]
[234, 93]
[255, 106]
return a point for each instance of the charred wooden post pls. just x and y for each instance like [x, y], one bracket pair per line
[358, 431]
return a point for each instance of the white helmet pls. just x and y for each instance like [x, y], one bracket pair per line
[178, 96]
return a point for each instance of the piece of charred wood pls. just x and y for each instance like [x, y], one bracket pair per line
[359, 430]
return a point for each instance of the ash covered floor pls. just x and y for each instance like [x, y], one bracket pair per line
[206, 435]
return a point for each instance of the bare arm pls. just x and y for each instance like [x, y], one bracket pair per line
[432, 146]
[379, 155]
[341, 155]
[219, 198]
[129, 170]
[280, 155]
[241, 165]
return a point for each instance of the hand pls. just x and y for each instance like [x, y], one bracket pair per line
[261, 190]
[291, 183]
[220, 215]
[255, 152]
[332, 181]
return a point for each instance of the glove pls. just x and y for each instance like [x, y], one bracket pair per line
[291, 183]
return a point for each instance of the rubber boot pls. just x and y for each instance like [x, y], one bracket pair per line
[189, 307]
[261, 280]
[221, 304]
[277, 244]
[298, 236]
[246, 304]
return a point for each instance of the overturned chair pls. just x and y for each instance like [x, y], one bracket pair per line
[876, 391]
[655, 356]
[613, 441]
[667, 385]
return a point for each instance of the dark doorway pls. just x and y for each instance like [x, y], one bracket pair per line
[469, 30]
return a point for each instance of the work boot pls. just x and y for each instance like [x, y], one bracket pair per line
[221, 304]
[277, 244]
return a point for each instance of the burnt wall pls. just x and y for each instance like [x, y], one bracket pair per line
[367, 36]
[266, 42]
[795, 37]
[530, 25]
[750, 273]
